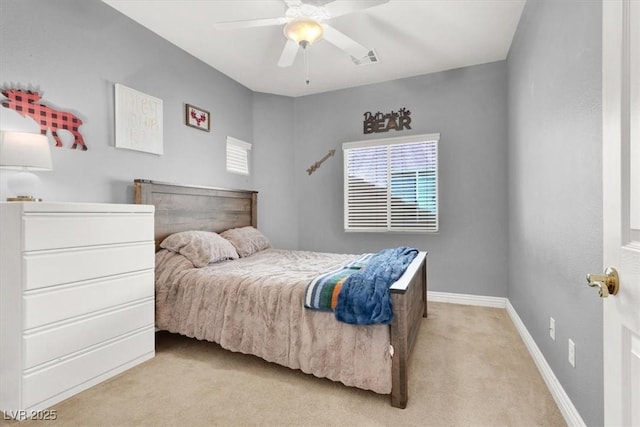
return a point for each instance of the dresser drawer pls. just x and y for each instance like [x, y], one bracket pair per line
[68, 338]
[45, 383]
[64, 302]
[65, 230]
[66, 266]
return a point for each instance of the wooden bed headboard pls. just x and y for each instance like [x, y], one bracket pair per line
[185, 207]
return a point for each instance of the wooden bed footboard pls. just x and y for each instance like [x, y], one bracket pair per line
[409, 296]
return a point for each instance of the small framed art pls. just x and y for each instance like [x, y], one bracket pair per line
[197, 118]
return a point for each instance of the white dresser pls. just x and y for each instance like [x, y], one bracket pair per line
[76, 298]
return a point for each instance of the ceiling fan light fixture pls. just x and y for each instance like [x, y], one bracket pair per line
[303, 31]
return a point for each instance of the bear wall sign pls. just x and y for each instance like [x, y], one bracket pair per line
[380, 122]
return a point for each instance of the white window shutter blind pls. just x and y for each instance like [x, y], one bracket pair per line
[238, 156]
[366, 188]
[391, 184]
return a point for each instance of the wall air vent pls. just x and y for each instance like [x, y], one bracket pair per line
[371, 58]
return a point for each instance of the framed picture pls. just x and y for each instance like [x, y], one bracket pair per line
[197, 118]
[138, 118]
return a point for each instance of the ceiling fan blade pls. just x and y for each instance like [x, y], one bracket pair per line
[342, 7]
[293, 3]
[232, 25]
[288, 54]
[340, 40]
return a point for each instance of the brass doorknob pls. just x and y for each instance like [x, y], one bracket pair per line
[608, 283]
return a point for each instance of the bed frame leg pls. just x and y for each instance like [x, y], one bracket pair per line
[399, 390]
[424, 287]
[399, 364]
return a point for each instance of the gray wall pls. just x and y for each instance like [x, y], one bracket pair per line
[555, 189]
[272, 156]
[468, 108]
[74, 52]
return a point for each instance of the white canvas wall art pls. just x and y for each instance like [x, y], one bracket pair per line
[138, 119]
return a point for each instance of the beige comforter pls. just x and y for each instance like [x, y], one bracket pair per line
[254, 305]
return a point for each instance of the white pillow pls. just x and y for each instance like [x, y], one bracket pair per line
[246, 240]
[200, 247]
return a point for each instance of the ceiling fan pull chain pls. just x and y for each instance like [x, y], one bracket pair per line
[306, 64]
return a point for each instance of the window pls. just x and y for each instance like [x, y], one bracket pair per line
[391, 184]
[238, 156]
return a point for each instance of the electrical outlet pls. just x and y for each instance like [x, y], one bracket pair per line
[552, 328]
[572, 353]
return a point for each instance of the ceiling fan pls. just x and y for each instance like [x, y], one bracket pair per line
[305, 23]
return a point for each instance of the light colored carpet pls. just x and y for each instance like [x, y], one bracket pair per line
[469, 368]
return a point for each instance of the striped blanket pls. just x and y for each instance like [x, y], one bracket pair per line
[322, 292]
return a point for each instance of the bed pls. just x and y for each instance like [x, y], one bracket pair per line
[372, 357]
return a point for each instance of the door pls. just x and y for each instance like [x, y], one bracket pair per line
[621, 213]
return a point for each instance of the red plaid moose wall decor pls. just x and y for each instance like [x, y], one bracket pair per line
[27, 103]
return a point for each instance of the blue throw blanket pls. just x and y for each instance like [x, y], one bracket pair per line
[364, 298]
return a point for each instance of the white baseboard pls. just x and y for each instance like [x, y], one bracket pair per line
[465, 299]
[568, 410]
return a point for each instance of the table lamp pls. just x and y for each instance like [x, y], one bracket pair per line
[25, 153]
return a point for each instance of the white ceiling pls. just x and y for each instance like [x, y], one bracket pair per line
[410, 37]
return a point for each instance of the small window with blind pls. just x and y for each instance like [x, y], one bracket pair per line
[238, 156]
[391, 184]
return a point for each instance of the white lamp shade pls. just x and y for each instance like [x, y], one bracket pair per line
[24, 151]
